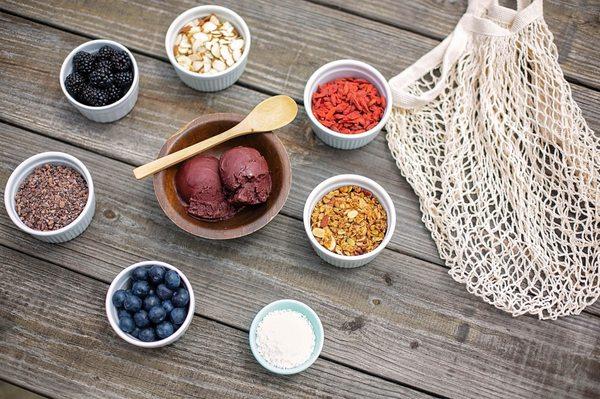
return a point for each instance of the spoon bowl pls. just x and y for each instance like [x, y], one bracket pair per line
[272, 113]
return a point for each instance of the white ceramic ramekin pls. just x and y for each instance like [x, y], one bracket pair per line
[220, 80]
[122, 281]
[346, 69]
[107, 113]
[345, 180]
[15, 180]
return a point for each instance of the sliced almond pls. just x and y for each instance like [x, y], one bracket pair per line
[197, 66]
[215, 20]
[184, 61]
[352, 214]
[237, 44]
[330, 243]
[219, 65]
[318, 232]
[215, 50]
[209, 27]
[201, 37]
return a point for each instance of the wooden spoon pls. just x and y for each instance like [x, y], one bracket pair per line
[273, 113]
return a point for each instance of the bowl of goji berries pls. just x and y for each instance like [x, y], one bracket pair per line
[348, 102]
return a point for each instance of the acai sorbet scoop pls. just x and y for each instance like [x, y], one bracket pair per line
[245, 176]
[199, 185]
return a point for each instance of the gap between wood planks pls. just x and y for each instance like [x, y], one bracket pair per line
[421, 32]
[28, 389]
[243, 330]
[286, 214]
[165, 60]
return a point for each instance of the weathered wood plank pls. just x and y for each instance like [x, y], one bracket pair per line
[165, 104]
[573, 23]
[400, 318]
[56, 339]
[293, 38]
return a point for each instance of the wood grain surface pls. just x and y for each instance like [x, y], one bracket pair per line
[290, 39]
[55, 337]
[399, 318]
[573, 23]
[400, 327]
[165, 104]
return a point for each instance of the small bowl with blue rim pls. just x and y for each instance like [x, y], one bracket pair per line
[297, 306]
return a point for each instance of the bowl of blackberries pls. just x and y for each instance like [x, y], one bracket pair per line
[100, 78]
[150, 304]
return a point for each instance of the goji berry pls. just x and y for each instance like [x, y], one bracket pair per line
[348, 105]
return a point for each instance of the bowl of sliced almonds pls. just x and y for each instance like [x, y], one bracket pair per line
[208, 46]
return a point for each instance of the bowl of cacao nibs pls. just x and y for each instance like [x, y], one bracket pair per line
[150, 304]
[100, 78]
[208, 46]
[349, 220]
[51, 197]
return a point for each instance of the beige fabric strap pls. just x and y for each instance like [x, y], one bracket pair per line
[453, 47]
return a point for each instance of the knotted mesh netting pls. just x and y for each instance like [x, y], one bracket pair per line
[507, 173]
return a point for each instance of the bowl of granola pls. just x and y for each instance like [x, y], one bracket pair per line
[208, 46]
[349, 220]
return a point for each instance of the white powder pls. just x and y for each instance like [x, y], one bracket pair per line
[285, 338]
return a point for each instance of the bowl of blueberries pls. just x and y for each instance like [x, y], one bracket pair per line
[100, 78]
[150, 304]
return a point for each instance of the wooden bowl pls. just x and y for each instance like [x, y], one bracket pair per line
[249, 219]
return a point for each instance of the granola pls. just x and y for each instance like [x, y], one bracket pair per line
[349, 221]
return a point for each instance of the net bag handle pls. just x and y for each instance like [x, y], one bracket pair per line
[445, 55]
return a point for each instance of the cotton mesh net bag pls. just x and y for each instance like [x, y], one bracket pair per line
[486, 131]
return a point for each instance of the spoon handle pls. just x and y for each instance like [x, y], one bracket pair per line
[169, 160]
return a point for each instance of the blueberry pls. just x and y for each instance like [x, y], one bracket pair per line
[132, 303]
[164, 329]
[157, 314]
[172, 279]
[151, 292]
[135, 333]
[126, 324]
[156, 274]
[180, 298]
[178, 315]
[163, 292]
[141, 318]
[167, 306]
[147, 335]
[140, 273]
[151, 301]
[123, 313]
[140, 288]
[118, 298]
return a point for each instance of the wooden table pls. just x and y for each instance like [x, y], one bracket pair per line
[399, 327]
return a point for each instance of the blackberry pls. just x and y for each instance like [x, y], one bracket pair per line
[114, 94]
[83, 62]
[106, 52]
[123, 80]
[93, 96]
[102, 63]
[101, 78]
[75, 83]
[121, 61]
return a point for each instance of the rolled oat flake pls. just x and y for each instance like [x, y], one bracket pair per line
[285, 338]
